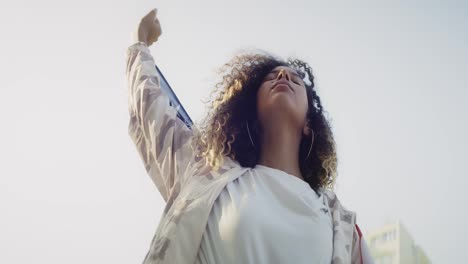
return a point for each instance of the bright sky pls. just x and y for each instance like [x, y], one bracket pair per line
[391, 76]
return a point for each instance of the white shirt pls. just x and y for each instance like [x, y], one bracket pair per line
[267, 216]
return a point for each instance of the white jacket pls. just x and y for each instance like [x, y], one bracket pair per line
[164, 144]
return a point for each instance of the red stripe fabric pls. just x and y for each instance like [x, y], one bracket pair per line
[360, 236]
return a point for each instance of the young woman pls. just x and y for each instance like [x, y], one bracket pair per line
[253, 183]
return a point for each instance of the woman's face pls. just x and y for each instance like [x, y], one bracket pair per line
[282, 94]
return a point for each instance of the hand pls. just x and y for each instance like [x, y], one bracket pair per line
[149, 29]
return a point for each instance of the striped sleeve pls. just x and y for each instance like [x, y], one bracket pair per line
[162, 140]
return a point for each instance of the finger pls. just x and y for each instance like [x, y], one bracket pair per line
[153, 39]
[151, 15]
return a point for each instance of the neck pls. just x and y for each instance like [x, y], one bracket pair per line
[280, 148]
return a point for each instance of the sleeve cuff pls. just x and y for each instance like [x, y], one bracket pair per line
[139, 43]
[138, 46]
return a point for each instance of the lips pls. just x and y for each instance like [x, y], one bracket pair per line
[282, 82]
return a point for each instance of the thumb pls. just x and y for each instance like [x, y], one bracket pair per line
[153, 13]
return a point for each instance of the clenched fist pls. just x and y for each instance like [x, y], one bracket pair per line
[149, 29]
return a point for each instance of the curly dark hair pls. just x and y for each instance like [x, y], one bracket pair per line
[223, 130]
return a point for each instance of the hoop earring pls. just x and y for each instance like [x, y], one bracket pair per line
[248, 131]
[311, 143]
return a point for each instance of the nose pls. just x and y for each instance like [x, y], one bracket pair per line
[283, 73]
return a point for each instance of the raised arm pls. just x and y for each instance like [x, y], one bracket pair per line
[162, 140]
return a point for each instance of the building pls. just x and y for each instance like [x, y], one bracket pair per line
[392, 244]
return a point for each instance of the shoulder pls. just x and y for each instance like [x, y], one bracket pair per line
[331, 197]
[337, 207]
[205, 173]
